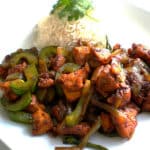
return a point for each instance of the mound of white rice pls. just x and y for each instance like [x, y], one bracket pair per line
[54, 31]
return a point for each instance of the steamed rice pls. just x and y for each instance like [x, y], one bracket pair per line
[54, 31]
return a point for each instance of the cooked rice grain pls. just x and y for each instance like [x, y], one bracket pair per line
[53, 31]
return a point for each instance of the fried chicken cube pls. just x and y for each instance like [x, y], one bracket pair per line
[57, 62]
[59, 111]
[101, 55]
[138, 77]
[125, 122]
[106, 81]
[139, 51]
[42, 122]
[73, 83]
[121, 97]
[107, 124]
[18, 68]
[45, 80]
[80, 54]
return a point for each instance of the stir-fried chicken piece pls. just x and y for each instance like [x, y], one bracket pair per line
[42, 121]
[106, 81]
[59, 111]
[138, 76]
[121, 97]
[57, 62]
[45, 80]
[73, 83]
[99, 56]
[3, 71]
[146, 94]
[138, 51]
[18, 68]
[125, 122]
[81, 54]
[107, 124]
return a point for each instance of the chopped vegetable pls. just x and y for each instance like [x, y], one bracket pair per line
[74, 117]
[20, 116]
[20, 104]
[75, 141]
[20, 86]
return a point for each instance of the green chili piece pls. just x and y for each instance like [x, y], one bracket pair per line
[76, 116]
[76, 141]
[29, 57]
[20, 116]
[112, 110]
[20, 86]
[94, 128]
[20, 104]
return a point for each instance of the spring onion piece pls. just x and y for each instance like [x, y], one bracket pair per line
[74, 117]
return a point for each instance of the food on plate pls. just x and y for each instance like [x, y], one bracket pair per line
[73, 94]
[68, 22]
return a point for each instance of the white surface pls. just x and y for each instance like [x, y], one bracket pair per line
[124, 23]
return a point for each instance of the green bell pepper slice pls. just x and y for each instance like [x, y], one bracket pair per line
[19, 105]
[20, 86]
[20, 116]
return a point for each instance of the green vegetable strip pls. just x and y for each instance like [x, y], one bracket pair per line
[106, 107]
[67, 148]
[75, 141]
[20, 116]
[94, 128]
[74, 117]
[19, 104]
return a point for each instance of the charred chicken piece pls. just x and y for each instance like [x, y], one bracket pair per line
[107, 124]
[57, 62]
[59, 111]
[81, 54]
[106, 81]
[126, 122]
[45, 80]
[99, 56]
[42, 122]
[138, 76]
[18, 68]
[121, 97]
[73, 83]
[138, 51]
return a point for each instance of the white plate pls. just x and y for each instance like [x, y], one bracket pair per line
[17, 21]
